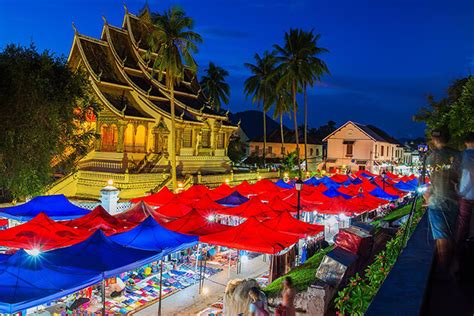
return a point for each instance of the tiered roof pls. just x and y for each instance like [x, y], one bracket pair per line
[123, 78]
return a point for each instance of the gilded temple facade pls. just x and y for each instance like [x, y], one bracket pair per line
[135, 122]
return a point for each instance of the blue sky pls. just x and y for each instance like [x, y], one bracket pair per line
[385, 56]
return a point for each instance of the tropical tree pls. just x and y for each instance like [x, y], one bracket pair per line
[174, 42]
[282, 107]
[260, 85]
[214, 86]
[47, 112]
[316, 68]
[294, 70]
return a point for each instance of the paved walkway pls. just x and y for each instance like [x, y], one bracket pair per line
[189, 302]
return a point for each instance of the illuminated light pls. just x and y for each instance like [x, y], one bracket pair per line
[323, 172]
[245, 258]
[422, 189]
[227, 181]
[332, 221]
[110, 182]
[205, 290]
[180, 185]
[343, 216]
[259, 177]
[211, 218]
[285, 174]
[35, 252]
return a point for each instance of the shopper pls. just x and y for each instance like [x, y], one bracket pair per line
[442, 198]
[257, 305]
[288, 293]
[466, 190]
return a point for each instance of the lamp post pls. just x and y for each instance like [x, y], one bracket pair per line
[384, 174]
[298, 186]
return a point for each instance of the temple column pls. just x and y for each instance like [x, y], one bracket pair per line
[98, 141]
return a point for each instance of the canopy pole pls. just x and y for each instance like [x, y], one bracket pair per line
[197, 256]
[228, 259]
[161, 285]
[103, 296]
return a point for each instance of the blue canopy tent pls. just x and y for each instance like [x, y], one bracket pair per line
[233, 199]
[404, 186]
[312, 181]
[283, 184]
[378, 192]
[57, 207]
[98, 253]
[27, 281]
[150, 235]
[332, 192]
[329, 182]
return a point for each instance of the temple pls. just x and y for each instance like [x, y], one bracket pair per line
[135, 122]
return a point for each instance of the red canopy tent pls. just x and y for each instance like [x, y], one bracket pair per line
[99, 218]
[339, 178]
[307, 203]
[162, 197]
[321, 187]
[335, 206]
[251, 235]
[279, 205]
[263, 186]
[253, 208]
[221, 191]
[138, 213]
[42, 233]
[367, 186]
[205, 202]
[288, 224]
[195, 192]
[194, 223]
[174, 209]
[351, 189]
[244, 188]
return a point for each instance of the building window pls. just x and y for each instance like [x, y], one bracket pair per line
[282, 150]
[188, 138]
[311, 151]
[317, 152]
[376, 152]
[257, 149]
[361, 167]
[349, 149]
[220, 140]
[269, 150]
[381, 150]
[206, 139]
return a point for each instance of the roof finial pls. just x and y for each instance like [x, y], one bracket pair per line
[240, 121]
[74, 28]
[105, 20]
[125, 8]
[202, 109]
[149, 90]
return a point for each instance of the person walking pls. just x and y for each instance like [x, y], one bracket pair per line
[442, 199]
[288, 293]
[257, 305]
[466, 190]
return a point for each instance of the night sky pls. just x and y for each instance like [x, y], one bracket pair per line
[385, 56]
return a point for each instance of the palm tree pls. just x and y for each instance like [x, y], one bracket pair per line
[282, 107]
[214, 86]
[173, 40]
[317, 68]
[292, 58]
[260, 85]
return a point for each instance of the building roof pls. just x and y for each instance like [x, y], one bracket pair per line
[120, 61]
[372, 131]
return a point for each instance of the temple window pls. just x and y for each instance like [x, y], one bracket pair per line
[206, 138]
[188, 138]
[140, 139]
[221, 140]
[109, 137]
[128, 138]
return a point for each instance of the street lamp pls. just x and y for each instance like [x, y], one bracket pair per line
[298, 187]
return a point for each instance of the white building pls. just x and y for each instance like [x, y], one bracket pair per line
[355, 146]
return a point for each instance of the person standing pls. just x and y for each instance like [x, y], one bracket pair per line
[442, 198]
[257, 304]
[466, 190]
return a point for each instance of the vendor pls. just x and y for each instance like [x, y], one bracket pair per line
[116, 289]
